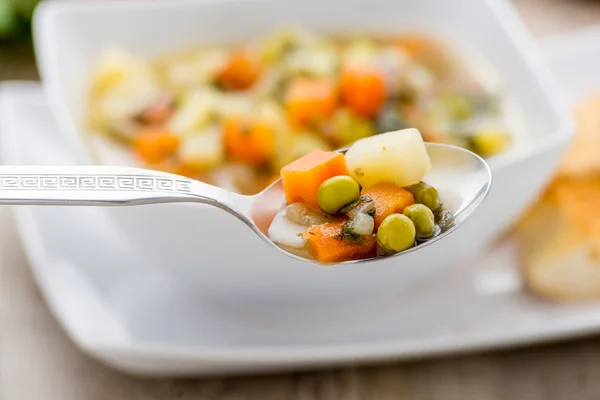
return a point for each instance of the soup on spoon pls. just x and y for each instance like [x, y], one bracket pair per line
[367, 202]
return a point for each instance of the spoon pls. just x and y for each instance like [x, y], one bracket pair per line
[465, 176]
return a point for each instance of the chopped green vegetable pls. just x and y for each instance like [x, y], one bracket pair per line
[336, 192]
[364, 205]
[396, 233]
[357, 230]
[437, 213]
[425, 194]
[363, 224]
[457, 105]
[389, 119]
[423, 219]
[444, 219]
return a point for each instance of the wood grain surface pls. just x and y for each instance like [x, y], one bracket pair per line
[37, 361]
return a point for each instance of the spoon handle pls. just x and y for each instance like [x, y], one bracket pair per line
[103, 186]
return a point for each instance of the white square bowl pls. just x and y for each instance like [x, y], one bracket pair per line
[226, 260]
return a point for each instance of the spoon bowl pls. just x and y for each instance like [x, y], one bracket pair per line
[462, 178]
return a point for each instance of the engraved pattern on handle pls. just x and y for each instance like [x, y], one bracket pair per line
[93, 182]
[103, 185]
[110, 186]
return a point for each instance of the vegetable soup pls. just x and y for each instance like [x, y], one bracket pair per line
[233, 116]
[369, 202]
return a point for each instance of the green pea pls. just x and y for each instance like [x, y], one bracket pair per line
[425, 194]
[336, 192]
[305, 142]
[458, 105]
[396, 233]
[348, 128]
[389, 119]
[423, 219]
[489, 143]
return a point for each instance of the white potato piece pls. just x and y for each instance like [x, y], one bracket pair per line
[203, 149]
[273, 112]
[195, 112]
[399, 157]
[313, 61]
[122, 84]
[127, 97]
[235, 104]
[115, 64]
[199, 70]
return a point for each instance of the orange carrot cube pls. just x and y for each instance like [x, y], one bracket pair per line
[301, 179]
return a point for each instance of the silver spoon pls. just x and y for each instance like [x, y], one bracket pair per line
[464, 176]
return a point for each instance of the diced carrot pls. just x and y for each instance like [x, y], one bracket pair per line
[248, 140]
[154, 145]
[326, 243]
[363, 89]
[389, 199]
[301, 179]
[310, 100]
[240, 71]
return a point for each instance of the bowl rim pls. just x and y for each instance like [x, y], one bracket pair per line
[505, 15]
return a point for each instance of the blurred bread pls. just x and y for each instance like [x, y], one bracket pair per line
[559, 241]
[559, 238]
[583, 155]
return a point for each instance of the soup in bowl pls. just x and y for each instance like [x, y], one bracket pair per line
[234, 115]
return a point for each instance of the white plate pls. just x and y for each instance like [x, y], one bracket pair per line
[148, 324]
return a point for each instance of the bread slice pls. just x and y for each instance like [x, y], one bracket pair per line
[583, 155]
[559, 241]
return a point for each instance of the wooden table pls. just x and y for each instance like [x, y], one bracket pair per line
[38, 362]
